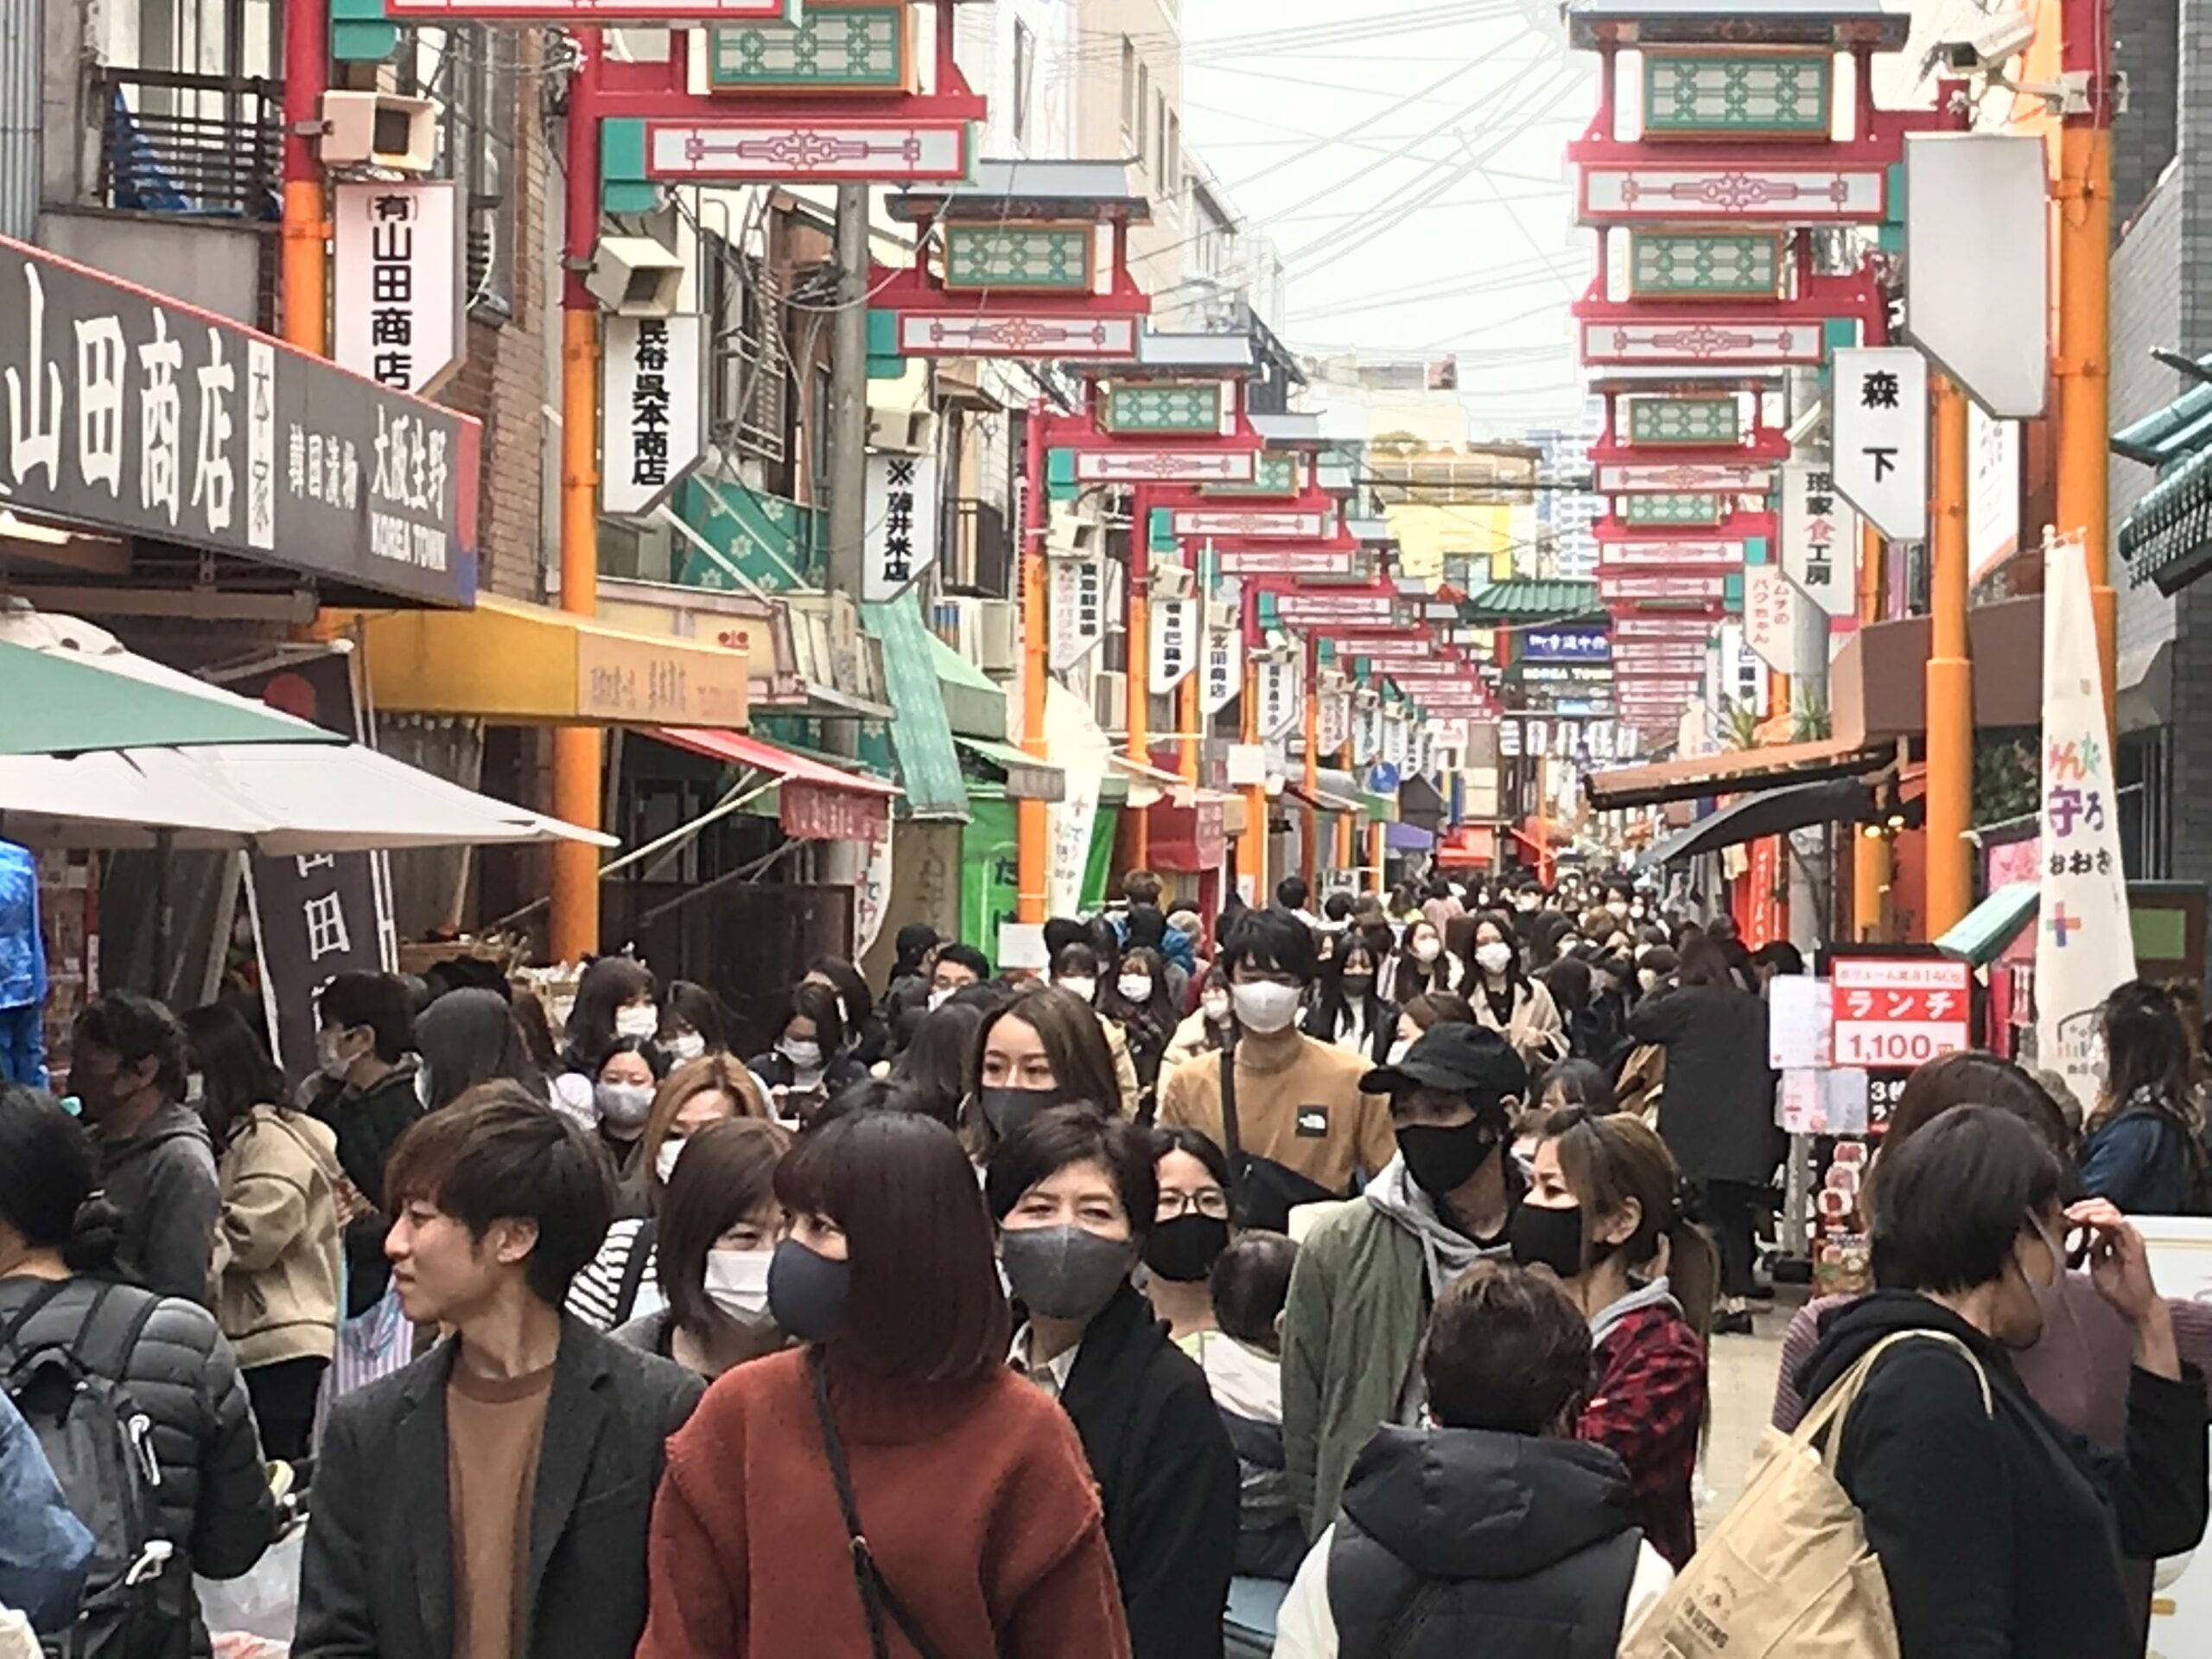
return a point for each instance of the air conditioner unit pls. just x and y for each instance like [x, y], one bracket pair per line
[907, 431]
[378, 129]
[1067, 537]
[1171, 581]
[635, 277]
[998, 636]
[1109, 699]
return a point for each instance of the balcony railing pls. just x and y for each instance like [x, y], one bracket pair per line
[190, 144]
[979, 553]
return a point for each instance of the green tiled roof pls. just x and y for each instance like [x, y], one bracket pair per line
[1525, 596]
[1982, 934]
[921, 735]
[2168, 538]
[974, 702]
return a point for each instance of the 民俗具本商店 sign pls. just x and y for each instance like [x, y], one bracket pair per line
[130, 413]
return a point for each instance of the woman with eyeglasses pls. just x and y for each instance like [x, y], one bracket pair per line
[1188, 1235]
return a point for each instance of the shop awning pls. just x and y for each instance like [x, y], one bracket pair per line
[1984, 932]
[517, 665]
[1148, 785]
[1189, 836]
[1321, 799]
[1735, 770]
[1468, 846]
[1769, 812]
[1877, 685]
[975, 704]
[1380, 809]
[1027, 779]
[66, 702]
[814, 801]
[921, 735]
[1407, 838]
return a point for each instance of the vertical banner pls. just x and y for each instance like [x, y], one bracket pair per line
[1335, 720]
[1278, 700]
[1819, 539]
[2083, 944]
[1172, 650]
[872, 893]
[396, 274]
[1078, 597]
[1367, 736]
[1221, 661]
[1993, 491]
[1075, 744]
[653, 420]
[320, 915]
[1879, 424]
[1770, 606]
[902, 524]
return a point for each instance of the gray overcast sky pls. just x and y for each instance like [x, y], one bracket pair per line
[1413, 178]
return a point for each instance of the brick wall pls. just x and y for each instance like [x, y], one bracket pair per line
[2147, 48]
[2190, 277]
[2145, 312]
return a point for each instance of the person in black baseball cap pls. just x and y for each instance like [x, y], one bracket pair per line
[1367, 1276]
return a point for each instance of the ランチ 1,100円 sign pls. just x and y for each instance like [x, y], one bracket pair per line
[1900, 1011]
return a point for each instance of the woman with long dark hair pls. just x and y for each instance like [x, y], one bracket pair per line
[472, 1036]
[1424, 964]
[934, 1064]
[810, 1062]
[1503, 997]
[274, 1271]
[1042, 1049]
[1138, 1000]
[2141, 1148]
[616, 997]
[1349, 1009]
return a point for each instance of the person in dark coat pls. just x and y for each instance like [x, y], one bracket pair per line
[57, 1245]
[2000, 1533]
[369, 1094]
[415, 1548]
[2139, 1147]
[810, 1064]
[1075, 1194]
[1717, 1114]
[1496, 1532]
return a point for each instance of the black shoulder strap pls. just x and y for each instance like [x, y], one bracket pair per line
[1231, 1141]
[112, 1326]
[633, 1269]
[876, 1598]
[45, 1294]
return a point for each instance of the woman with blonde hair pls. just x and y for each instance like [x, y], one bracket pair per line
[620, 1284]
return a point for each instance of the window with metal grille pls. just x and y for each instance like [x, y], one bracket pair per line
[749, 377]
[472, 73]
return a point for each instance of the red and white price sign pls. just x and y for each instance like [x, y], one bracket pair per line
[1893, 1012]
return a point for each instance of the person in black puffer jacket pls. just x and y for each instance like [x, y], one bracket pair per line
[212, 1502]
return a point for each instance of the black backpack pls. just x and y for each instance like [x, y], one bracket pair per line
[100, 1444]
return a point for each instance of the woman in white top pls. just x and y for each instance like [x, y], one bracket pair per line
[1506, 1000]
[1349, 1009]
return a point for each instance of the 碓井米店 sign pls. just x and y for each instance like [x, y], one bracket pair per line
[130, 413]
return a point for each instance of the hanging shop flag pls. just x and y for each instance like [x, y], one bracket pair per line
[1334, 720]
[396, 278]
[1078, 596]
[652, 426]
[1820, 538]
[1278, 701]
[902, 524]
[2083, 944]
[1175, 638]
[1879, 461]
[1771, 603]
[1221, 663]
[871, 894]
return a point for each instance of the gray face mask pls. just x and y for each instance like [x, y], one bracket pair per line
[1065, 1273]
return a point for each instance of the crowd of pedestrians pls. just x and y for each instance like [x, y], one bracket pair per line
[1350, 1274]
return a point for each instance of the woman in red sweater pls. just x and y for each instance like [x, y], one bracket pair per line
[984, 1534]
[1603, 1212]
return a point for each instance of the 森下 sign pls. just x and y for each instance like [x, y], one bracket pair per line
[1899, 1011]
[1879, 424]
[653, 424]
[1175, 638]
[902, 524]
[1564, 646]
[1079, 595]
[395, 279]
[1221, 667]
[134, 415]
[1819, 539]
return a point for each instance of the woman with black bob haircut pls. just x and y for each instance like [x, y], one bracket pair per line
[1998, 1530]
[2140, 1146]
[898, 1422]
[1074, 1193]
[693, 1022]
[615, 998]
[809, 1062]
[934, 1063]
[212, 1505]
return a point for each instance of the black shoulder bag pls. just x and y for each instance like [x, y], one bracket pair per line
[876, 1598]
[1263, 1191]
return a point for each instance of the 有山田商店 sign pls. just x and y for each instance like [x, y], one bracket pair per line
[396, 299]
[652, 422]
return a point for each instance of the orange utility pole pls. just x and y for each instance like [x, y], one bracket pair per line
[1950, 674]
[302, 269]
[1036, 622]
[573, 918]
[1870, 870]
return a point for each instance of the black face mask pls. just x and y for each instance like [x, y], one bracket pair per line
[1443, 1160]
[807, 1291]
[1357, 987]
[1547, 1238]
[1008, 1110]
[1184, 1249]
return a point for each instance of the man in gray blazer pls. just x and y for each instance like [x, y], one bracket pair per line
[491, 1501]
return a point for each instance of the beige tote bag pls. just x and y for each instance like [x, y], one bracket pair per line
[1787, 1574]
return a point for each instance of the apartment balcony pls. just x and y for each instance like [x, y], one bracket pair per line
[979, 552]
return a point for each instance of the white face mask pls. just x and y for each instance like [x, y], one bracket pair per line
[1079, 986]
[1216, 1006]
[687, 1045]
[195, 1088]
[1265, 1009]
[736, 1281]
[939, 996]
[330, 1055]
[1397, 1051]
[1618, 907]
[640, 1020]
[805, 1057]
[664, 1160]
[1134, 988]
[625, 1105]
[1427, 949]
[1494, 958]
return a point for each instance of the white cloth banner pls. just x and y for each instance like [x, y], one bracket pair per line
[2083, 944]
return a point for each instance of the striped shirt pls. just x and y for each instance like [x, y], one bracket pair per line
[594, 1297]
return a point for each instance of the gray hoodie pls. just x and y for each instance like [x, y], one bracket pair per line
[163, 1180]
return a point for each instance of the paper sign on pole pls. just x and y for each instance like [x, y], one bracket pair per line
[1221, 665]
[1078, 606]
[1993, 491]
[652, 426]
[2084, 946]
[901, 524]
[1820, 538]
[1770, 606]
[1279, 699]
[1334, 720]
[1881, 428]
[396, 281]
[1174, 644]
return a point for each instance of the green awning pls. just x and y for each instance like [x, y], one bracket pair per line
[1027, 779]
[1380, 809]
[975, 704]
[1521, 597]
[921, 735]
[1984, 932]
[59, 704]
